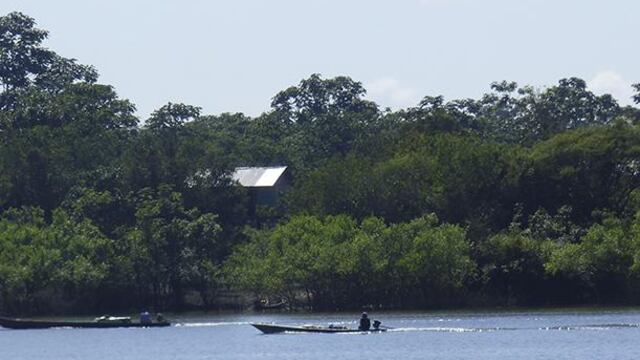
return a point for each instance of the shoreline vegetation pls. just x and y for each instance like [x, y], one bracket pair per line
[521, 198]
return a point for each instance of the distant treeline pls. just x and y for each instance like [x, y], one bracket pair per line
[521, 197]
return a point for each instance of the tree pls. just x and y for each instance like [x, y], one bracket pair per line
[156, 158]
[433, 115]
[58, 127]
[315, 97]
[513, 266]
[524, 115]
[588, 169]
[25, 62]
[329, 117]
[570, 105]
[437, 260]
[340, 263]
[172, 116]
[21, 53]
[58, 141]
[172, 248]
[67, 261]
[602, 260]
[460, 178]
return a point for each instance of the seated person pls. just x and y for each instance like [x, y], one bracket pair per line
[145, 318]
[365, 323]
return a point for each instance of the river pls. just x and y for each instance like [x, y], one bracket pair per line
[569, 334]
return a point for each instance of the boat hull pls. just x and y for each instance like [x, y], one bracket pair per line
[11, 323]
[275, 329]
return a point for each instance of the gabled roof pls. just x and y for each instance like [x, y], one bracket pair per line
[258, 176]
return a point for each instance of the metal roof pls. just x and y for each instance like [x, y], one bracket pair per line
[258, 176]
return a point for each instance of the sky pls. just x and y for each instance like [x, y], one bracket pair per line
[234, 56]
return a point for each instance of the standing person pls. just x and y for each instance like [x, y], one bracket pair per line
[365, 323]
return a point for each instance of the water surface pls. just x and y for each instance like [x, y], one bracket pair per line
[601, 334]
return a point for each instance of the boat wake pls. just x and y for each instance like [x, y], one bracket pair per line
[449, 329]
[594, 327]
[590, 327]
[212, 324]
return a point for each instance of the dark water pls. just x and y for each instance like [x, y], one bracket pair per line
[599, 335]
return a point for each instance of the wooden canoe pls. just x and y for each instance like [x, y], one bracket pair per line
[274, 329]
[12, 323]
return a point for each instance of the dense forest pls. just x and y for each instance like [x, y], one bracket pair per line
[523, 197]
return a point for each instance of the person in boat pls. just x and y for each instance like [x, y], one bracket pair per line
[365, 323]
[145, 318]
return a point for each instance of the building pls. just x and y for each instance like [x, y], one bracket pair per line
[265, 185]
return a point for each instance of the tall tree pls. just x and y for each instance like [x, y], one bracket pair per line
[330, 116]
[570, 105]
[25, 62]
[57, 126]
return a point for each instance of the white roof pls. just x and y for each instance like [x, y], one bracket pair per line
[258, 176]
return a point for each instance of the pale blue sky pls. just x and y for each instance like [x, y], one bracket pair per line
[234, 56]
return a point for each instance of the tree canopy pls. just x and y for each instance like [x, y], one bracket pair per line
[524, 196]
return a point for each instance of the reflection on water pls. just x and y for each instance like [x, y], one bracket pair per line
[598, 334]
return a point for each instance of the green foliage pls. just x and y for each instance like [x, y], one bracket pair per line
[602, 261]
[27, 67]
[315, 97]
[15, 65]
[524, 115]
[437, 258]
[557, 227]
[570, 105]
[538, 191]
[513, 266]
[38, 262]
[172, 116]
[457, 177]
[176, 248]
[340, 263]
[24, 61]
[327, 117]
[57, 127]
[588, 169]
